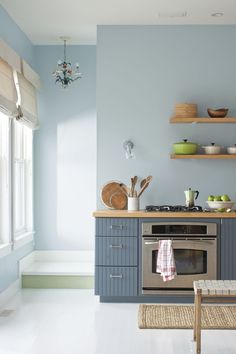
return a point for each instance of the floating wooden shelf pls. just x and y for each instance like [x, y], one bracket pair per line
[203, 156]
[227, 120]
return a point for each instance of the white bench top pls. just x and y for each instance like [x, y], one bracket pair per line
[215, 287]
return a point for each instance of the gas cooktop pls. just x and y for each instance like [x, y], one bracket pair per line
[173, 208]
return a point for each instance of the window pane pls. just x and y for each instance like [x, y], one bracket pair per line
[22, 179]
[18, 140]
[19, 200]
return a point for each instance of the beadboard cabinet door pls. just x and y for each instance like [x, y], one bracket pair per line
[228, 249]
[116, 227]
[116, 281]
[116, 251]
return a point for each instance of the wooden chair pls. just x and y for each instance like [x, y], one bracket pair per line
[210, 291]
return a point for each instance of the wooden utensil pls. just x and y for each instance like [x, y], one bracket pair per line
[145, 185]
[133, 183]
[142, 182]
[135, 180]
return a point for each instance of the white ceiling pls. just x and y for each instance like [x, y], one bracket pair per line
[44, 21]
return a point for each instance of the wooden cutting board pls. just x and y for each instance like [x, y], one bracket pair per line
[113, 196]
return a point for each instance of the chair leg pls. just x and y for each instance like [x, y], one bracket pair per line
[195, 319]
[198, 323]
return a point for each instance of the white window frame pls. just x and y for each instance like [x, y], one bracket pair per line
[25, 234]
[11, 239]
[5, 192]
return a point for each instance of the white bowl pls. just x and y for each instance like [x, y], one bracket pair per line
[212, 149]
[219, 205]
[231, 150]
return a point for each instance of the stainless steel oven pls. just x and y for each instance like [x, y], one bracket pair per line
[195, 253]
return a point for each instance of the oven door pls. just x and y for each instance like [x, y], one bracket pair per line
[195, 259]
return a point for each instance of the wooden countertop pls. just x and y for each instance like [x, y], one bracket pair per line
[106, 213]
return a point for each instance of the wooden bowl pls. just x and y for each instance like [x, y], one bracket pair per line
[217, 113]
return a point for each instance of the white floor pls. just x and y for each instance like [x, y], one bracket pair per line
[74, 322]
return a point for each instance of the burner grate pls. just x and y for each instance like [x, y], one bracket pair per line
[172, 208]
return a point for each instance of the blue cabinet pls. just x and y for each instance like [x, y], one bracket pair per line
[116, 257]
[116, 251]
[116, 281]
[117, 227]
[228, 249]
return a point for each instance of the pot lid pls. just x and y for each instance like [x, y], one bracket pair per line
[212, 145]
[186, 142]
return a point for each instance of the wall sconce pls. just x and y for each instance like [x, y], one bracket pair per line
[128, 147]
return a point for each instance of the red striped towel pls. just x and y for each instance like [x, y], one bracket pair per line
[165, 260]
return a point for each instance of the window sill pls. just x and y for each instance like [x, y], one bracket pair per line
[23, 239]
[5, 249]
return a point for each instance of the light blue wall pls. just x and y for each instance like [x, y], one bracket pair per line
[11, 34]
[142, 72]
[65, 153]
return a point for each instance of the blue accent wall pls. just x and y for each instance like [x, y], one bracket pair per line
[11, 34]
[65, 153]
[16, 39]
[142, 72]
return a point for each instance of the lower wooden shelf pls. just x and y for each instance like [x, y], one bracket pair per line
[203, 156]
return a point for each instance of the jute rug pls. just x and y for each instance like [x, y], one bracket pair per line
[181, 316]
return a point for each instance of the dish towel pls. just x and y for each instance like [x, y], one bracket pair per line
[165, 260]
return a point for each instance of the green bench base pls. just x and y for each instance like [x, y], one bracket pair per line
[57, 282]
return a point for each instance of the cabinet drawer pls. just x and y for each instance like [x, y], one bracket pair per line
[116, 251]
[116, 281]
[116, 227]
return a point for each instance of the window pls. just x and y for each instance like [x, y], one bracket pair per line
[22, 180]
[16, 189]
[4, 180]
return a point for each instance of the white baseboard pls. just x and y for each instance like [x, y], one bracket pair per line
[9, 292]
[26, 262]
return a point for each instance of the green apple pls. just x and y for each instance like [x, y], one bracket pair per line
[225, 198]
[210, 198]
[217, 198]
[221, 210]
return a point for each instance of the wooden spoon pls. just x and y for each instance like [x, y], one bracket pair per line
[135, 180]
[133, 183]
[147, 179]
[142, 182]
[145, 185]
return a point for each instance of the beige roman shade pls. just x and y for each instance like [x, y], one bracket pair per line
[8, 96]
[18, 87]
[27, 102]
[9, 61]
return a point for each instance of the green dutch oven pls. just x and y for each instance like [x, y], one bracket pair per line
[185, 148]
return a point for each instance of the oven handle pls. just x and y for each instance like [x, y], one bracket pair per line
[180, 239]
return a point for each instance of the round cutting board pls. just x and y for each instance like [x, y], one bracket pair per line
[113, 196]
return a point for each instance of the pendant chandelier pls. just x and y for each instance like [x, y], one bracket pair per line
[64, 73]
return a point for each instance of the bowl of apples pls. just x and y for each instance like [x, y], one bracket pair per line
[220, 202]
